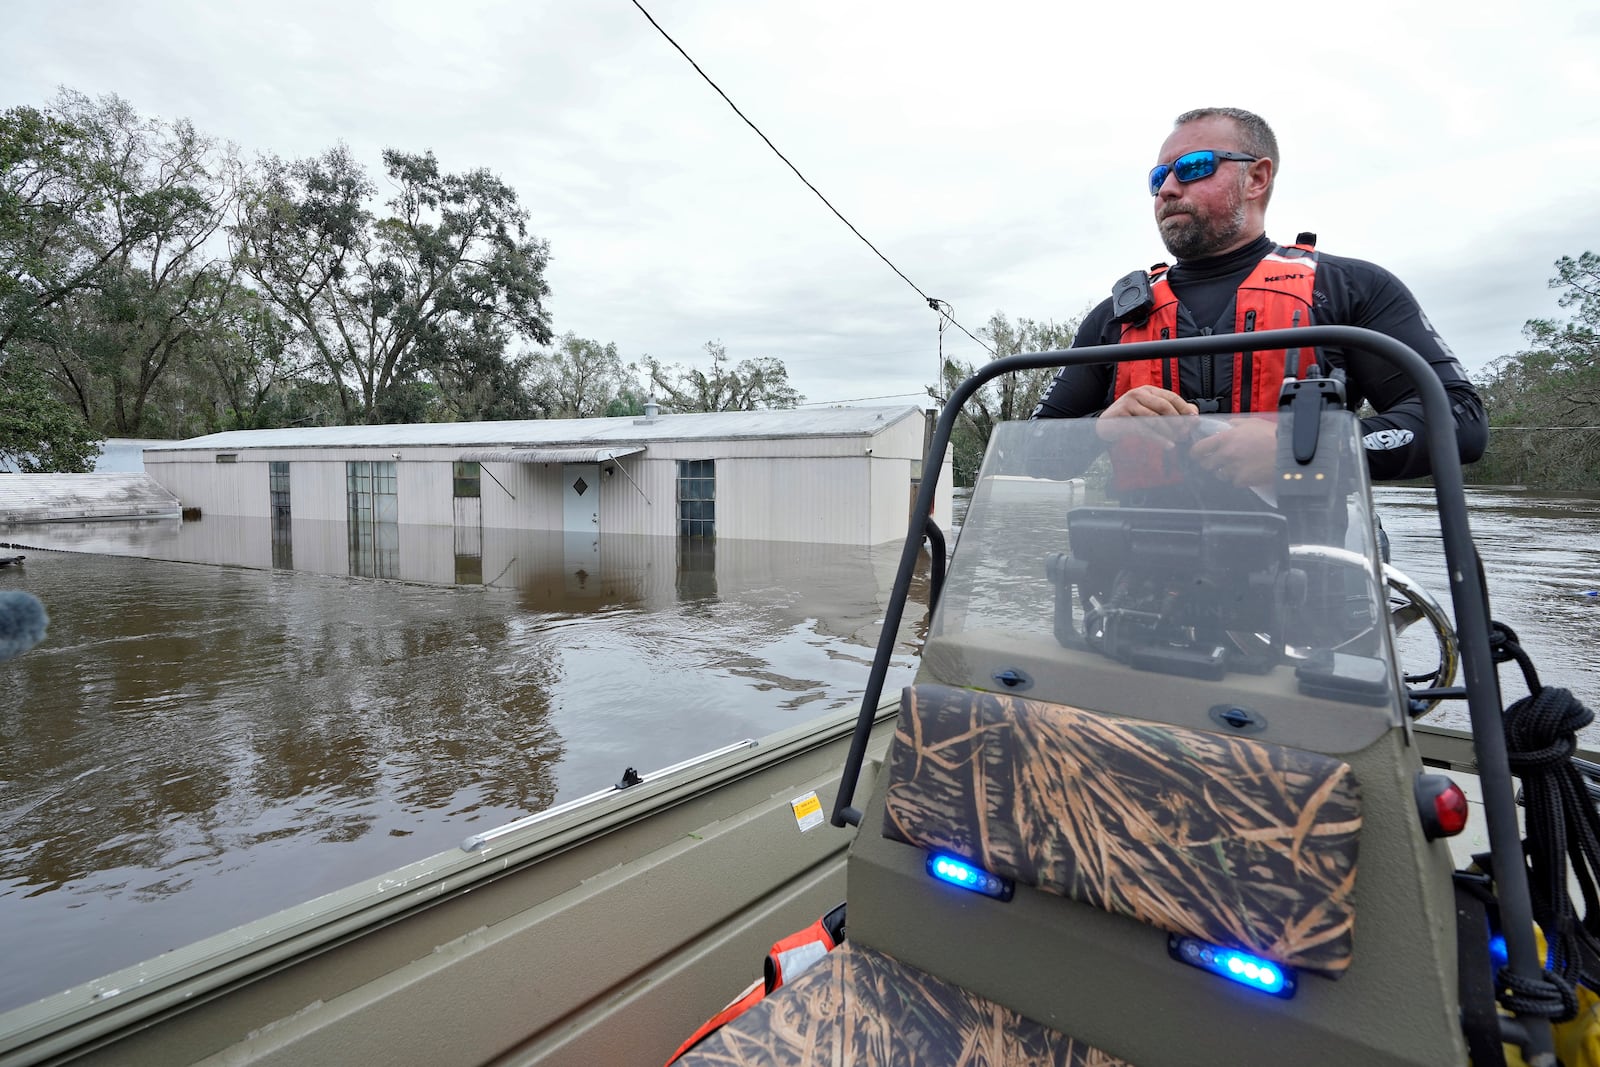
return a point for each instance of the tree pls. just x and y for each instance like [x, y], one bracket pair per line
[753, 384]
[251, 367]
[52, 236]
[1544, 401]
[432, 292]
[39, 433]
[580, 379]
[1006, 398]
[116, 271]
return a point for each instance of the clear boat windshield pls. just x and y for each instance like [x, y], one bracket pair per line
[1130, 573]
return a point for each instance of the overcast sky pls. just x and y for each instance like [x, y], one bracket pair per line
[995, 152]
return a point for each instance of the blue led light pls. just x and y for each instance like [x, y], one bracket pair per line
[959, 872]
[1250, 971]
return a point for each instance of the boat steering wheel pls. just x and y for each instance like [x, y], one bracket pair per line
[1409, 603]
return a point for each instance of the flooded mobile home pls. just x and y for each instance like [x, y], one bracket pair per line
[834, 476]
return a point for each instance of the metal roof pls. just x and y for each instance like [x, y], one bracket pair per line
[535, 433]
[548, 455]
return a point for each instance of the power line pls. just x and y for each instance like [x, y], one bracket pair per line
[932, 303]
[857, 399]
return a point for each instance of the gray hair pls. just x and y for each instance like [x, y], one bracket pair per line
[1255, 136]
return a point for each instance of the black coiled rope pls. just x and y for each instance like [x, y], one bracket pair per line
[1562, 825]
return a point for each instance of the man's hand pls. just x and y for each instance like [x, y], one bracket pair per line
[1244, 454]
[1113, 423]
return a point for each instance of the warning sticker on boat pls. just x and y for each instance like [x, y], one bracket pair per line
[807, 811]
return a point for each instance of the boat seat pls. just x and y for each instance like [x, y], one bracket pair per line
[1234, 841]
[862, 1007]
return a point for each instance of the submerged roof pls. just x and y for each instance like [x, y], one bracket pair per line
[723, 425]
[59, 497]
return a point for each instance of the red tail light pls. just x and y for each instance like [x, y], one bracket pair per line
[1441, 805]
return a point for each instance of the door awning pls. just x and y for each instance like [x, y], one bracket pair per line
[549, 455]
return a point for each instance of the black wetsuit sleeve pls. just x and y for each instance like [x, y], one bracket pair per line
[1083, 390]
[1357, 293]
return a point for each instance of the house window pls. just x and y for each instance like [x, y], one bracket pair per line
[372, 491]
[278, 489]
[697, 498]
[374, 509]
[227, 457]
[468, 478]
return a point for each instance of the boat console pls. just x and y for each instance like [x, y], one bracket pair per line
[1170, 718]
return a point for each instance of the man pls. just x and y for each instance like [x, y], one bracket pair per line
[1213, 179]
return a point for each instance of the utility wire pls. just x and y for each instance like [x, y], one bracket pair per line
[931, 302]
[857, 399]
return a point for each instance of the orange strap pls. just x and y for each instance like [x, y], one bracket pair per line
[736, 1007]
[787, 959]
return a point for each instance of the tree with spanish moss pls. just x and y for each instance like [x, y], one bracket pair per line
[408, 310]
[749, 385]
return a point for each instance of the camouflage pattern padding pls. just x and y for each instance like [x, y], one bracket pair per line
[1238, 842]
[861, 1008]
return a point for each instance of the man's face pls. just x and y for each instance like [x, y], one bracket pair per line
[1205, 217]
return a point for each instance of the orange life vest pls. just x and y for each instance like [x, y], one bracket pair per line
[1276, 295]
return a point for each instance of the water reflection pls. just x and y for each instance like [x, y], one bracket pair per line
[197, 746]
[374, 547]
[282, 542]
[697, 569]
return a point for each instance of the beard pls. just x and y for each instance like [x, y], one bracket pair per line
[1191, 232]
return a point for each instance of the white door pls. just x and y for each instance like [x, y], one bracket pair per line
[580, 498]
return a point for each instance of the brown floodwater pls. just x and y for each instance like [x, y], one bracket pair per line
[1541, 558]
[197, 745]
[228, 717]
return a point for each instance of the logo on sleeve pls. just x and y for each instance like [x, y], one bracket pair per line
[1426, 325]
[1383, 440]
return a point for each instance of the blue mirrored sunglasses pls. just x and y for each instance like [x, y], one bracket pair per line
[1192, 166]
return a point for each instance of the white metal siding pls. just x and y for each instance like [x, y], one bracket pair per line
[220, 488]
[427, 553]
[796, 499]
[319, 491]
[427, 491]
[848, 489]
[651, 508]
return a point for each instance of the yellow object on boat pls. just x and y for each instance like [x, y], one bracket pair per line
[1577, 1039]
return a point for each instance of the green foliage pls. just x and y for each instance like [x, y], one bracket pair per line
[110, 273]
[433, 291]
[53, 236]
[249, 373]
[1007, 398]
[1544, 401]
[135, 303]
[39, 433]
[752, 384]
[580, 379]
[629, 402]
